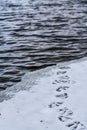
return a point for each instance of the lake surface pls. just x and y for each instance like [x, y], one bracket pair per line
[35, 34]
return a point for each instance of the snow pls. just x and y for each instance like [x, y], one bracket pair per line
[50, 99]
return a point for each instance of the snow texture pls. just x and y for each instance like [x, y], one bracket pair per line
[50, 99]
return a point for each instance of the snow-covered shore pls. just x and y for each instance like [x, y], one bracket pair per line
[50, 99]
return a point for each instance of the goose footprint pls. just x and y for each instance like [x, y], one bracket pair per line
[65, 114]
[61, 72]
[62, 96]
[76, 125]
[57, 104]
[62, 79]
[62, 88]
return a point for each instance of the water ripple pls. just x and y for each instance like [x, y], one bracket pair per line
[35, 34]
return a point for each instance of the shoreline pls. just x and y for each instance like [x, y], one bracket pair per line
[51, 98]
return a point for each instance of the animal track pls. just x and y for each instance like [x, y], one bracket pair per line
[62, 88]
[65, 111]
[64, 118]
[64, 67]
[61, 72]
[62, 79]
[76, 126]
[55, 104]
[65, 114]
[62, 96]
[59, 103]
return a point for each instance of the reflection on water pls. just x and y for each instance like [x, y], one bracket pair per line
[38, 33]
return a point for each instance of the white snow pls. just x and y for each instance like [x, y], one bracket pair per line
[50, 99]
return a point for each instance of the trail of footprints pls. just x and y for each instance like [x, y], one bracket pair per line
[65, 115]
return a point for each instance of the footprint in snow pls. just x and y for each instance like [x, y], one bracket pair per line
[62, 88]
[57, 104]
[64, 67]
[76, 125]
[65, 114]
[61, 72]
[62, 96]
[62, 79]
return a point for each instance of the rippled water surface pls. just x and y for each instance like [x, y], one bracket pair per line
[38, 33]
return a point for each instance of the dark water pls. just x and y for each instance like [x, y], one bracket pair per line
[37, 33]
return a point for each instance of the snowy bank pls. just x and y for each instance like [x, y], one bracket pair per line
[51, 99]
